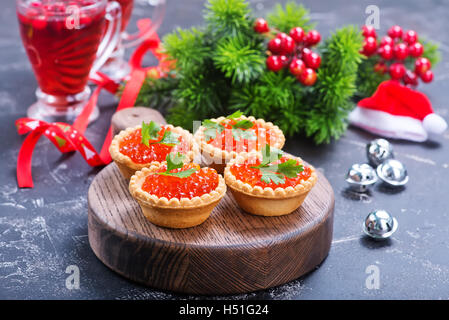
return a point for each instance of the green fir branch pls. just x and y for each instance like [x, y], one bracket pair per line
[220, 69]
[239, 59]
[156, 93]
[228, 17]
[367, 79]
[289, 16]
[273, 97]
[330, 102]
[187, 47]
[431, 51]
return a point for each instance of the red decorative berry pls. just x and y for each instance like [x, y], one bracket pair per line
[312, 60]
[416, 49]
[305, 52]
[369, 46]
[297, 66]
[386, 52]
[261, 26]
[387, 40]
[307, 77]
[380, 67]
[275, 45]
[397, 70]
[410, 36]
[400, 51]
[395, 32]
[410, 78]
[297, 34]
[313, 37]
[422, 65]
[284, 60]
[288, 45]
[274, 63]
[427, 76]
[282, 35]
[369, 31]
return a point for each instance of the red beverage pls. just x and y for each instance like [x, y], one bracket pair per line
[62, 51]
[127, 9]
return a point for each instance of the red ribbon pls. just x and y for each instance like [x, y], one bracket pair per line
[69, 138]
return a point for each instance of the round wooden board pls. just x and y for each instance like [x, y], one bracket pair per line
[232, 252]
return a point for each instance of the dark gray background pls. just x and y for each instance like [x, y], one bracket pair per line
[44, 230]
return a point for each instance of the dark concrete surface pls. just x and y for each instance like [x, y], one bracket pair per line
[44, 230]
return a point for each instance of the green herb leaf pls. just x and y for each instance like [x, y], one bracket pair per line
[174, 161]
[276, 173]
[169, 139]
[243, 124]
[182, 174]
[243, 134]
[269, 176]
[235, 115]
[270, 154]
[290, 168]
[211, 129]
[150, 132]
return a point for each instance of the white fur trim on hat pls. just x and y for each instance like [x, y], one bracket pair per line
[433, 123]
[388, 125]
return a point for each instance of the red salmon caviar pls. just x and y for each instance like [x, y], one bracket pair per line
[226, 141]
[244, 172]
[198, 183]
[133, 147]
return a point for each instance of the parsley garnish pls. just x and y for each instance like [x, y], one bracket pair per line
[176, 161]
[243, 124]
[269, 176]
[239, 129]
[235, 115]
[290, 168]
[277, 173]
[169, 139]
[211, 129]
[151, 132]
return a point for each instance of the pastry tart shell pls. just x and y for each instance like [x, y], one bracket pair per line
[128, 167]
[218, 158]
[268, 201]
[174, 213]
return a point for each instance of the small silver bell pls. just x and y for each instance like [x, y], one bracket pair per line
[360, 177]
[393, 173]
[378, 151]
[379, 224]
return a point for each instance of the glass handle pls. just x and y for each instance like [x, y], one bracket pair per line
[111, 37]
[131, 40]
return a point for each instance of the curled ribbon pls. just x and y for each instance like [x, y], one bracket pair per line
[69, 138]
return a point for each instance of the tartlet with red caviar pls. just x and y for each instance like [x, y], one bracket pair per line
[174, 194]
[149, 144]
[269, 183]
[224, 138]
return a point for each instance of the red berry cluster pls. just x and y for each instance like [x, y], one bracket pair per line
[393, 49]
[292, 51]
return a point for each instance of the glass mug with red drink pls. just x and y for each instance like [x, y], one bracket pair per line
[116, 67]
[65, 41]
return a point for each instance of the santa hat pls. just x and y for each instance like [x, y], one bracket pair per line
[396, 111]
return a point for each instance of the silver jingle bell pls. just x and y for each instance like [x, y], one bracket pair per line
[393, 173]
[378, 151]
[360, 177]
[379, 224]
